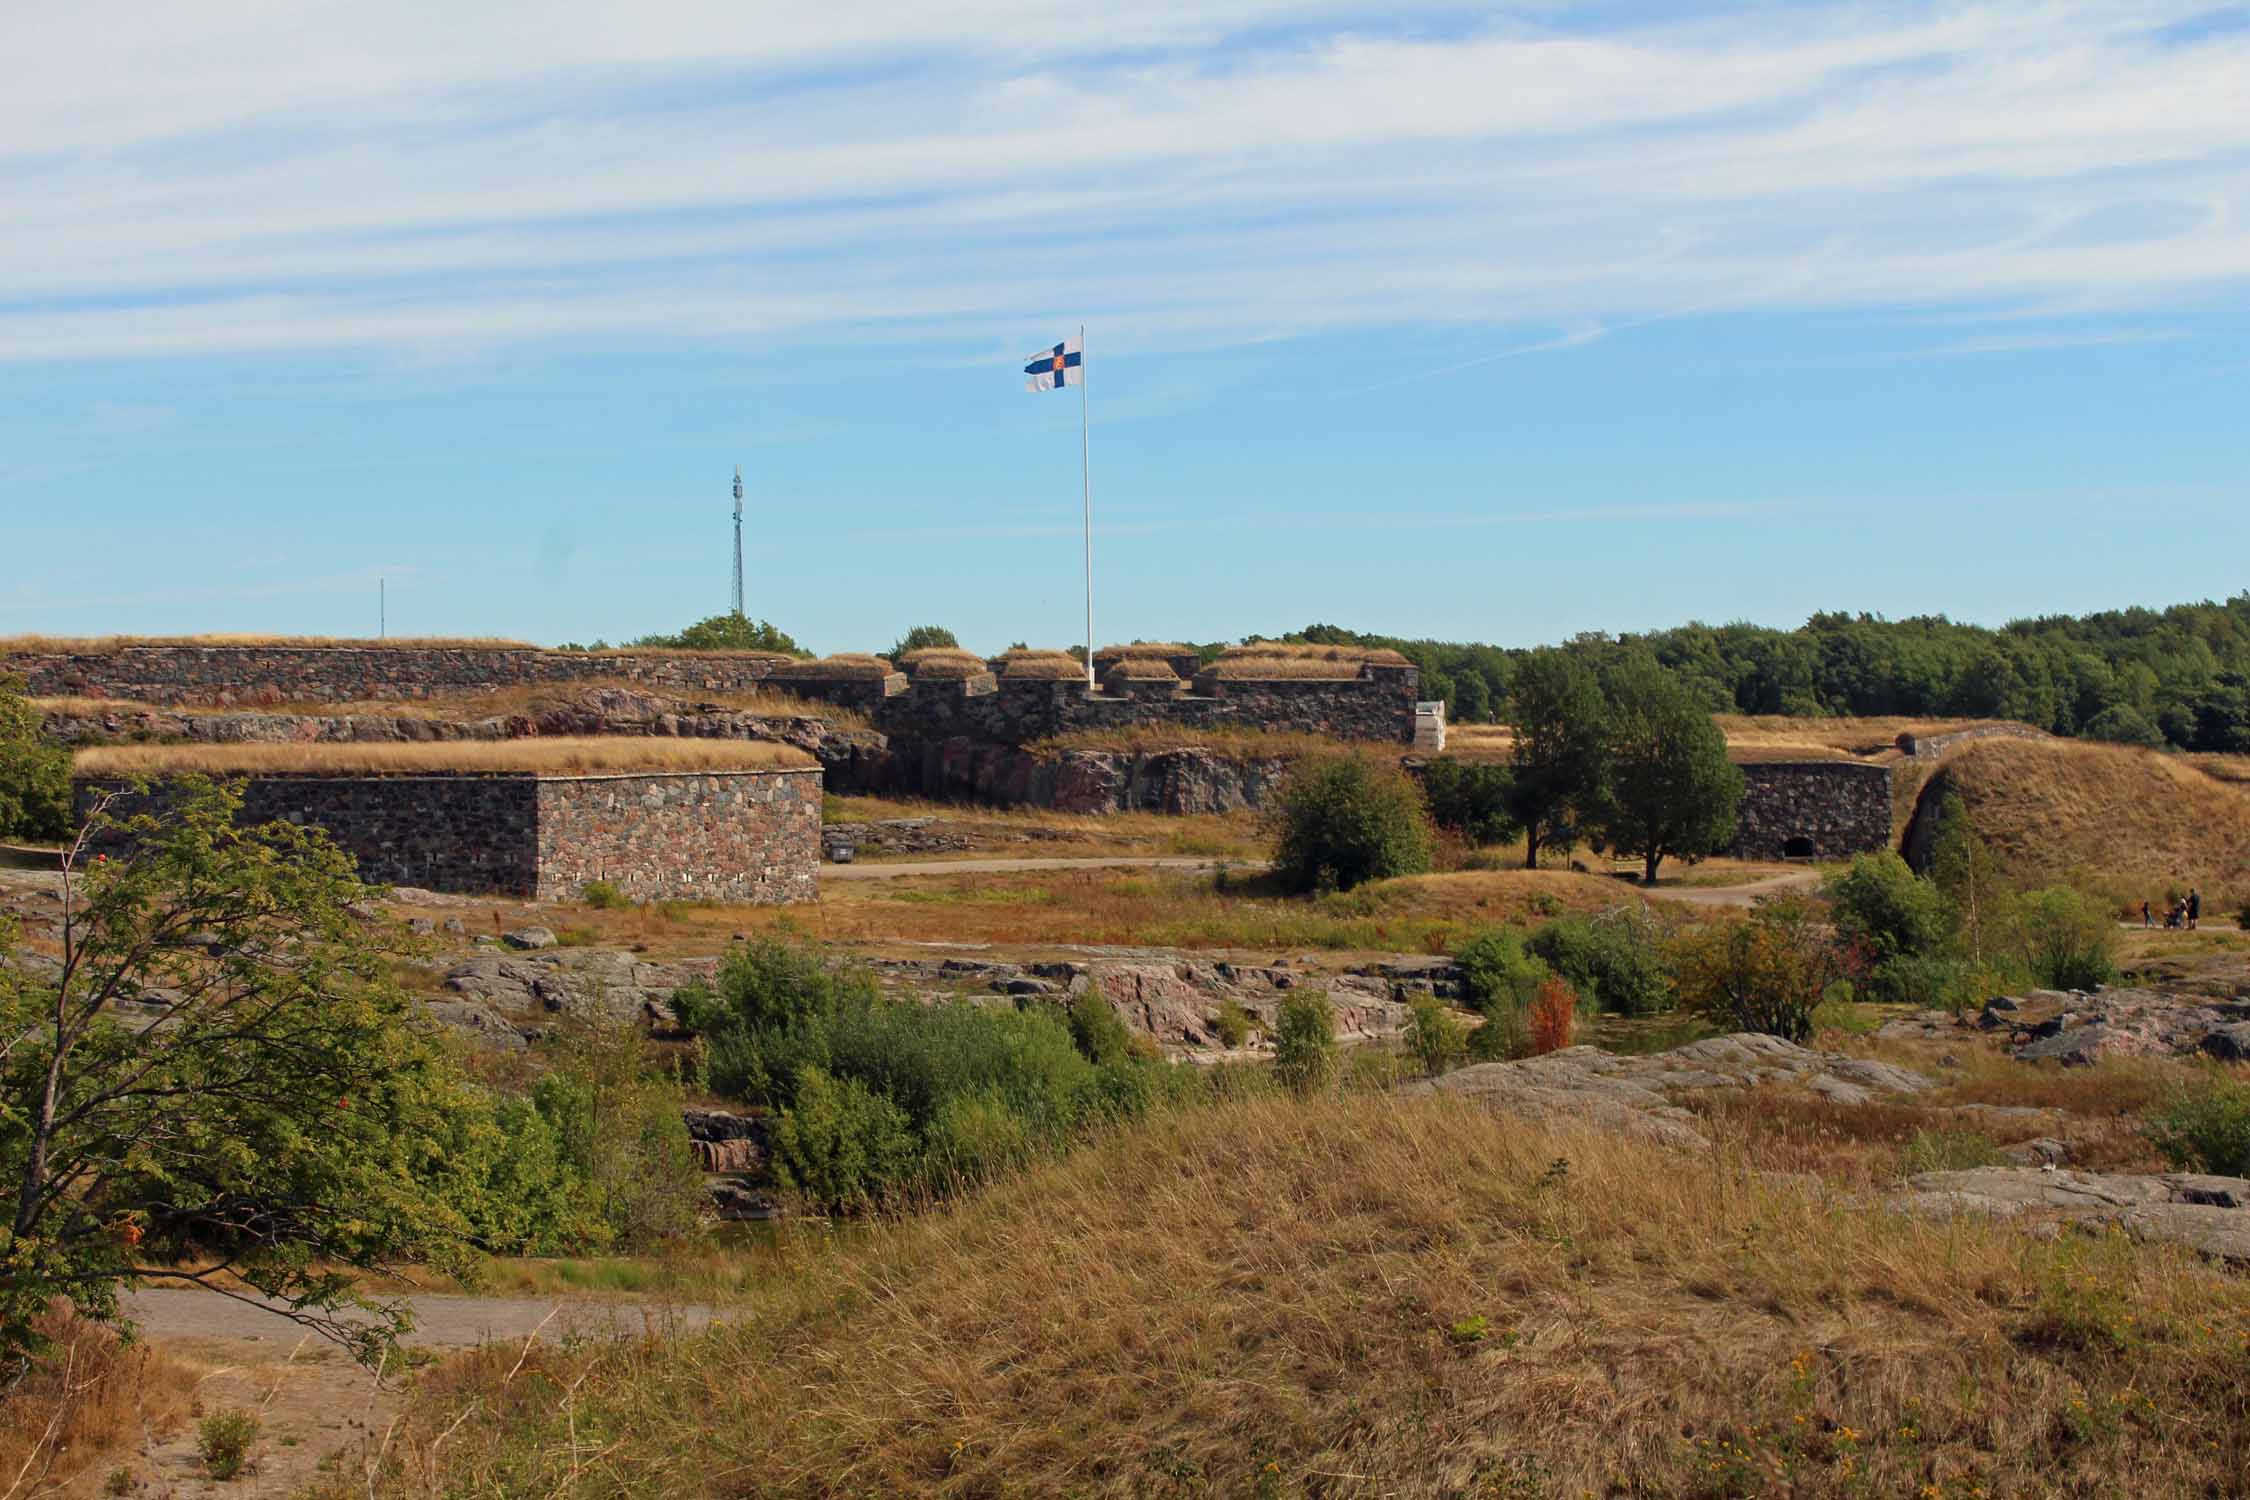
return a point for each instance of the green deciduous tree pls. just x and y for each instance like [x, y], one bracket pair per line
[1766, 974]
[1559, 766]
[921, 638]
[727, 632]
[1470, 797]
[1343, 820]
[34, 776]
[1671, 789]
[216, 1074]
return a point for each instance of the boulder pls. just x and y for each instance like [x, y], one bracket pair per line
[2207, 1214]
[527, 938]
[484, 1024]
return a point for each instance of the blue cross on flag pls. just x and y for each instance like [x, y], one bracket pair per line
[1052, 369]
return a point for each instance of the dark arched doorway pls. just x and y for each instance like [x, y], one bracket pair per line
[1799, 847]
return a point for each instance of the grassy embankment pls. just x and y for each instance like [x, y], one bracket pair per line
[1374, 1295]
[2132, 824]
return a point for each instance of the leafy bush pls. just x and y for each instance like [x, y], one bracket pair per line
[224, 1438]
[2205, 1128]
[1766, 974]
[1344, 820]
[619, 1132]
[1101, 1037]
[1617, 960]
[2067, 940]
[1232, 1023]
[1885, 908]
[1932, 981]
[34, 776]
[972, 1090]
[1552, 1018]
[727, 632]
[2122, 724]
[1433, 1037]
[603, 896]
[1497, 971]
[840, 1146]
[921, 638]
[1304, 1041]
[1470, 797]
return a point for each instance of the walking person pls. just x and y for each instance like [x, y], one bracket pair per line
[2146, 919]
[2195, 906]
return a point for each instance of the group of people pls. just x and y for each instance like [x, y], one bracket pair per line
[2185, 911]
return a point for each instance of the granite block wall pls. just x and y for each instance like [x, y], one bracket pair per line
[1825, 809]
[723, 836]
[718, 836]
[257, 675]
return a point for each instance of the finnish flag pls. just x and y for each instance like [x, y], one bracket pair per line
[1052, 369]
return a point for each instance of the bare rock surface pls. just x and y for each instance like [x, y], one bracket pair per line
[2209, 1214]
[2081, 1028]
[1638, 1094]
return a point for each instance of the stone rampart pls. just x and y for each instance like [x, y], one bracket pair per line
[1933, 746]
[261, 675]
[712, 835]
[1815, 809]
[1377, 706]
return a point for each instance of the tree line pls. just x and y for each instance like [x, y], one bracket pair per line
[2177, 677]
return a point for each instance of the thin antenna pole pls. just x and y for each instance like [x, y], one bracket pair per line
[1086, 478]
[738, 541]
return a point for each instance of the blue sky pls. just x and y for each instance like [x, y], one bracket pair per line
[1478, 322]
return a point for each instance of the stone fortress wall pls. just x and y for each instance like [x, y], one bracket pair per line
[1812, 809]
[750, 836]
[1376, 706]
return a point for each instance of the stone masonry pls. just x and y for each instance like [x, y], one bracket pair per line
[1817, 809]
[714, 835]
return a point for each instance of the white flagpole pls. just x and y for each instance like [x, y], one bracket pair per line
[1086, 478]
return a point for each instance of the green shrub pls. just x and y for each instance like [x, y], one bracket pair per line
[1497, 971]
[1343, 820]
[1304, 1041]
[2122, 724]
[1232, 1023]
[1930, 981]
[840, 1146]
[1768, 974]
[1617, 961]
[2067, 939]
[619, 1132]
[772, 982]
[603, 896]
[974, 1139]
[1885, 908]
[1948, 1151]
[1433, 1037]
[1471, 798]
[2205, 1128]
[1101, 1036]
[34, 776]
[224, 1438]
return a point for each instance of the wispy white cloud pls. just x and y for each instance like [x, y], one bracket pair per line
[423, 181]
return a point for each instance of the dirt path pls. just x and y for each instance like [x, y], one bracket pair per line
[892, 868]
[1802, 882]
[321, 1417]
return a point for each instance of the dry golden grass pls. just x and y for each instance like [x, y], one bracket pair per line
[2232, 769]
[1042, 666]
[1377, 1296]
[553, 756]
[847, 666]
[1141, 669]
[93, 1399]
[1161, 650]
[1298, 651]
[2073, 810]
[1279, 669]
[82, 645]
[1868, 736]
[522, 701]
[912, 661]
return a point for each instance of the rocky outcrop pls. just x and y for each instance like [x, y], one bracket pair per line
[1640, 1095]
[725, 1141]
[2208, 1214]
[572, 981]
[2078, 1028]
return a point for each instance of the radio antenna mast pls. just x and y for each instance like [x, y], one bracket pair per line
[738, 541]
